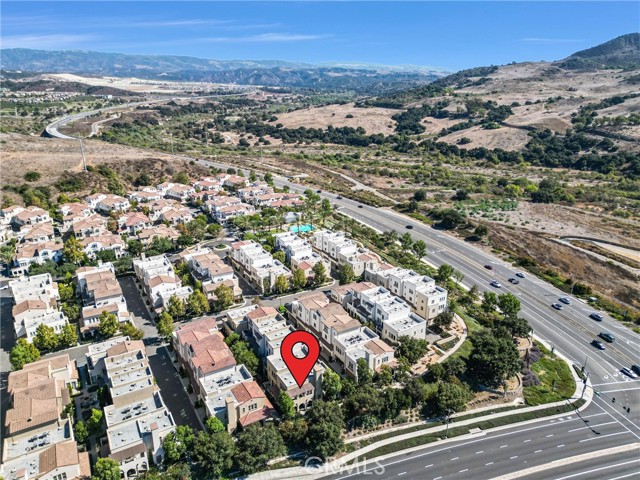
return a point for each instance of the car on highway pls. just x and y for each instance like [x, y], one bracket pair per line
[598, 344]
[557, 306]
[596, 316]
[318, 191]
[565, 300]
[520, 274]
[409, 227]
[636, 369]
[515, 281]
[339, 197]
[496, 284]
[360, 206]
[607, 337]
[488, 267]
[628, 373]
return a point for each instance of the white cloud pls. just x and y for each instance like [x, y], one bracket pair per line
[45, 41]
[264, 38]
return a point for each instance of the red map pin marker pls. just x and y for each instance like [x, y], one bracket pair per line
[300, 367]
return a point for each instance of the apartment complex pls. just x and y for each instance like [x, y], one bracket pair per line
[38, 441]
[159, 280]
[137, 420]
[344, 251]
[299, 253]
[227, 389]
[210, 270]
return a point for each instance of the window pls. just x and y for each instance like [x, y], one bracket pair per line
[252, 407]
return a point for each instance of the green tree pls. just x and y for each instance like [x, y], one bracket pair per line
[345, 274]
[109, 324]
[481, 231]
[22, 353]
[420, 195]
[365, 374]
[454, 367]
[214, 230]
[80, 431]
[493, 360]
[224, 297]
[106, 469]
[45, 338]
[66, 292]
[243, 354]
[198, 303]
[299, 279]
[451, 397]
[444, 319]
[256, 446]
[280, 256]
[509, 304]
[319, 273]
[165, 325]
[214, 425]
[214, 452]
[445, 272]
[383, 377]
[135, 247]
[419, 248]
[324, 436]
[73, 252]
[489, 301]
[285, 405]
[412, 349]
[177, 444]
[517, 327]
[129, 330]
[406, 241]
[68, 336]
[94, 423]
[176, 308]
[282, 284]
[294, 430]
[325, 210]
[331, 385]
[181, 177]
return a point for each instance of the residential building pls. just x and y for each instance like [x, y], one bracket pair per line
[107, 241]
[72, 213]
[159, 280]
[147, 235]
[133, 222]
[30, 216]
[344, 251]
[89, 226]
[260, 267]
[144, 195]
[300, 254]
[28, 254]
[209, 269]
[112, 203]
[38, 233]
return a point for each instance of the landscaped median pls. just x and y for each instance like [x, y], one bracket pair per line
[404, 440]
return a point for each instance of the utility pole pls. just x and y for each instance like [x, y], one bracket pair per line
[84, 160]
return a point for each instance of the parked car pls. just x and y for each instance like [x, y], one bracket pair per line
[520, 274]
[565, 300]
[557, 306]
[628, 372]
[496, 284]
[488, 267]
[636, 369]
[596, 316]
[607, 336]
[515, 281]
[598, 344]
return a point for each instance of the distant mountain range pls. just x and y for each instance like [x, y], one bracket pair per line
[247, 72]
[621, 52]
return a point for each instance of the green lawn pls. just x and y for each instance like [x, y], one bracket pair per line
[548, 370]
[473, 328]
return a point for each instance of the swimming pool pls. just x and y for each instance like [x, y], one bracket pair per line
[303, 228]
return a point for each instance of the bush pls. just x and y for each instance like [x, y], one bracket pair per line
[32, 176]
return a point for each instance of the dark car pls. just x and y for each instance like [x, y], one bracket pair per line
[359, 206]
[410, 227]
[318, 191]
[596, 316]
[557, 306]
[607, 337]
[565, 300]
[339, 197]
[599, 345]
[636, 368]
[488, 267]
[515, 281]
[628, 372]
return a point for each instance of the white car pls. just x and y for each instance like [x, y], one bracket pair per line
[520, 274]
[496, 284]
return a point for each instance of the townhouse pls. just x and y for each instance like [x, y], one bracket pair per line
[107, 241]
[107, 203]
[30, 216]
[156, 208]
[176, 191]
[259, 265]
[39, 233]
[247, 194]
[144, 195]
[235, 320]
[227, 389]
[38, 439]
[72, 213]
[35, 300]
[8, 213]
[159, 280]
[147, 235]
[99, 292]
[131, 223]
[210, 270]
[137, 419]
[344, 251]
[176, 216]
[299, 253]
[425, 297]
[91, 226]
[271, 199]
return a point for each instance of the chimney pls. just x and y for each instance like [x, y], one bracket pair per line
[232, 415]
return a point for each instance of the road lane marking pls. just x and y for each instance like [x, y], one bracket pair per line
[537, 451]
[550, 435]
[465, 470]
[515, 456]
[490, 463]
[633, 474]
[603, 436]
[437, 478]
[560, 446]
[403, 473]
[481, 451]
[504, 446]
[454, 458]
[526, 441]
[590, 427]
[430, 465]
[635, 460]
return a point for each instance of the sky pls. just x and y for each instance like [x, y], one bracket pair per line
[448, 35]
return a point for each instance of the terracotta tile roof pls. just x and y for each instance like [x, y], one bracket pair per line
[209, 353]
[160, 279]
[314, 300]
[247, 391]
[125, 346]
[334, 316]
[265, 412]
[91, 312]
[26, 305]
[378, 347]
[59, 455]
[261, 312]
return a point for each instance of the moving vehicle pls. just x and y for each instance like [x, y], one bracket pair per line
[360, 206]
[557, 306]
[515, 281]
[318, 191]
[339, 197]
[496, 284]
[596, 316]
[636, 369]
[607, 337]
[488, 267]
[628, 372]
[520, 274]
[565, 300]
[410, 227]
[598, 344]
